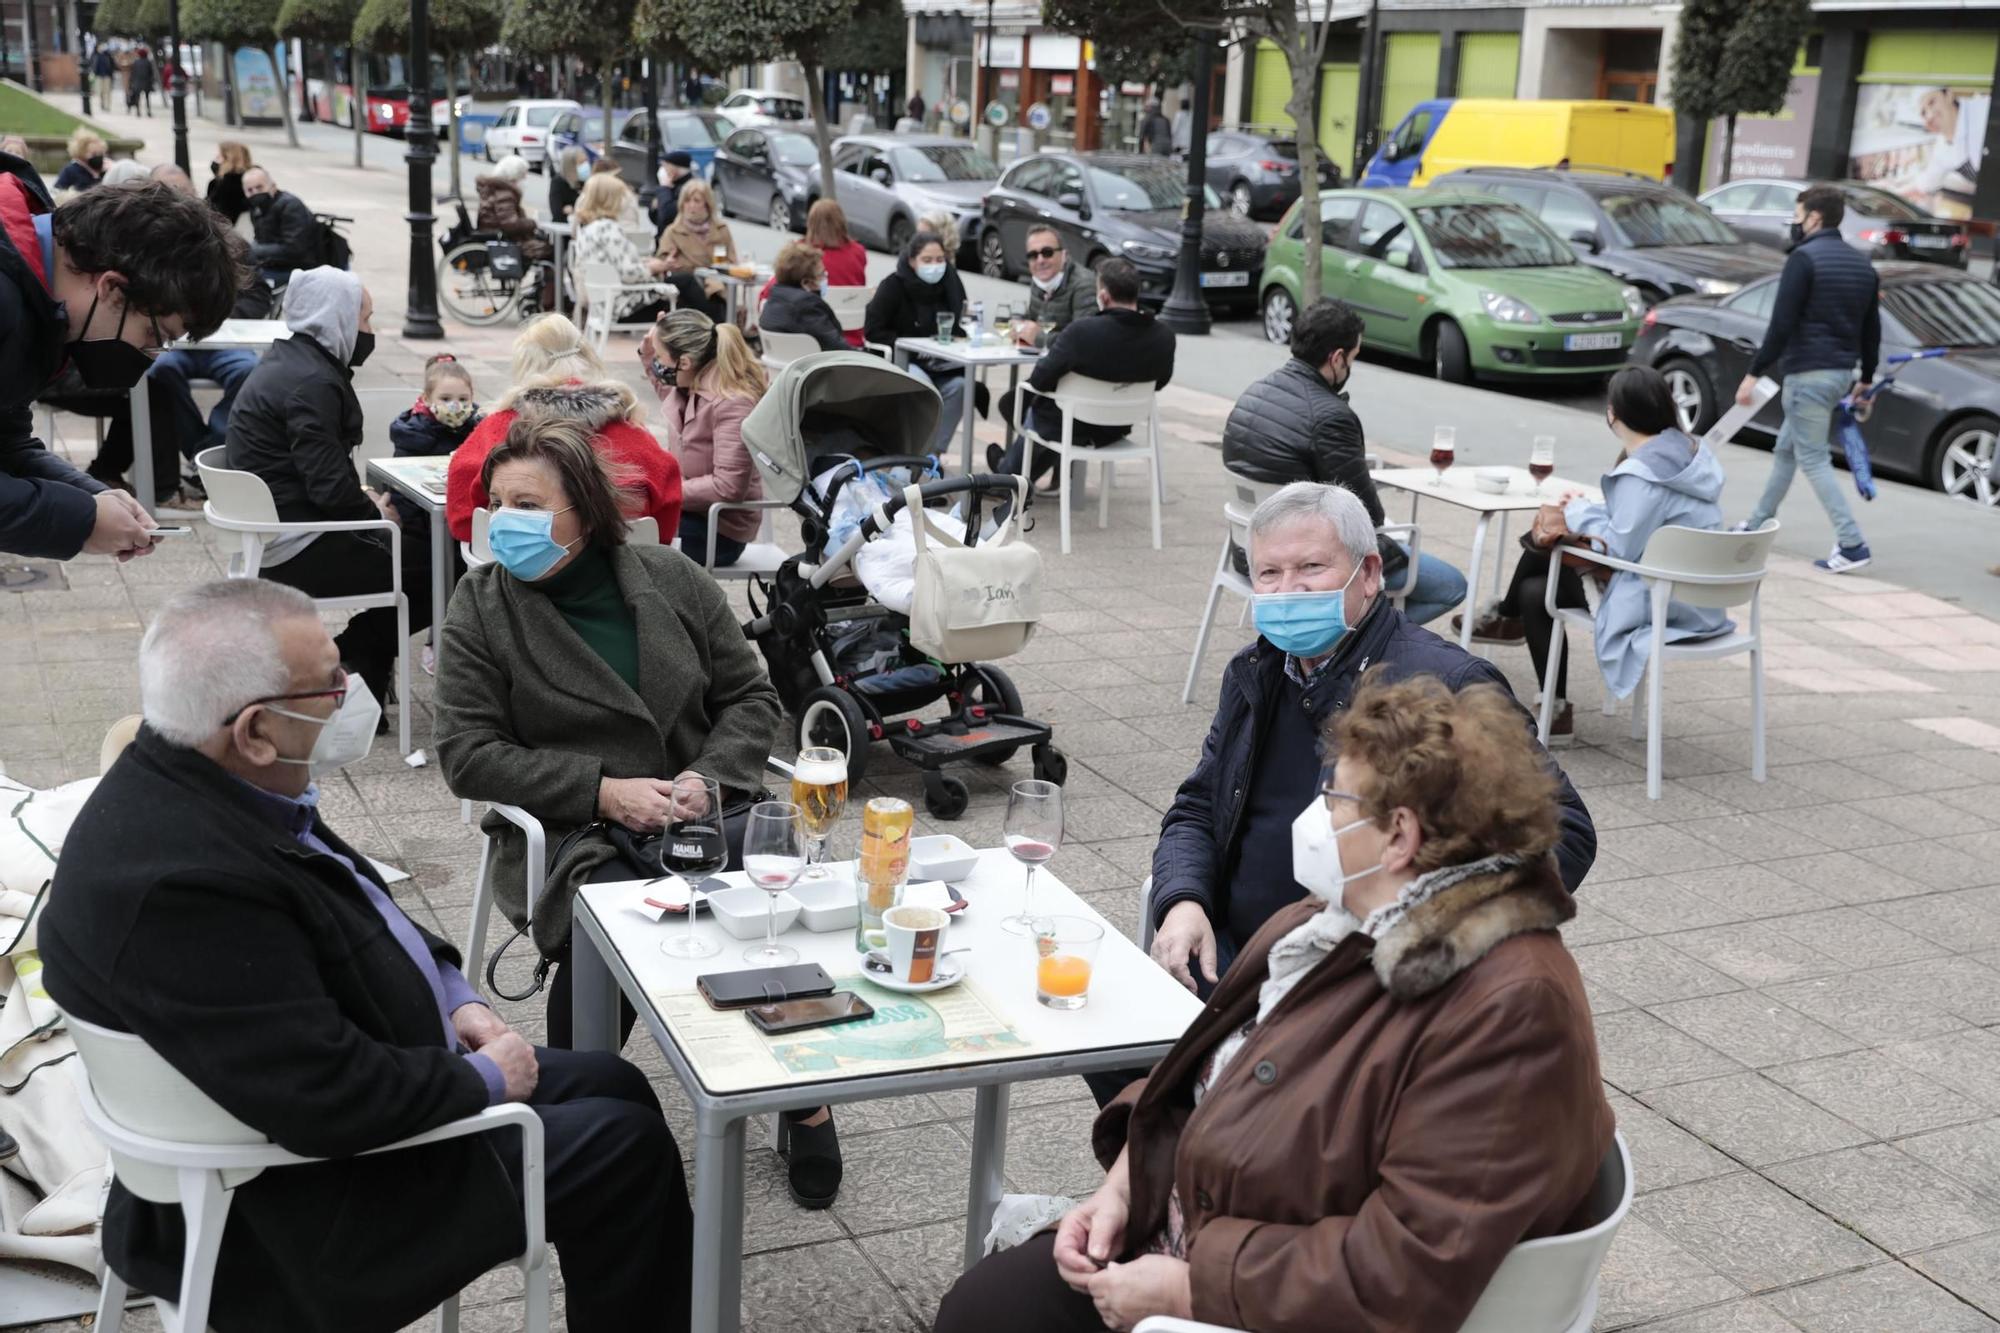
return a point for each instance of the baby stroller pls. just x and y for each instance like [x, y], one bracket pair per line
[843, 663]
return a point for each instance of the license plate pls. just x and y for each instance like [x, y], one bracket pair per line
[1930, 242]
[1592, 342]
[1225, 279]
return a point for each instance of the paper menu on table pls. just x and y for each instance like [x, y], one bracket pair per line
[1738, 416]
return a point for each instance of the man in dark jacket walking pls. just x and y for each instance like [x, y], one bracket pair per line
[1296, 424]
[287, 233]
[1825, 321]
[1156, 132]
[203, 905]
[98, 284]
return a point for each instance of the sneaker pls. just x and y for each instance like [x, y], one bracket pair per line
[1492, 627]
[1845, 559]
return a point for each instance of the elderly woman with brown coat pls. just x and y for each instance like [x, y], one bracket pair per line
[690, 243]
[501, 209]
[1394, 1084]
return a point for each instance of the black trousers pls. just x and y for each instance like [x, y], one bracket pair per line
[1526, 599]
[1013, 1291]
[616, 1195]
[346, 564]
[694, 296]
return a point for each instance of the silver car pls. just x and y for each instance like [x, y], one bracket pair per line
[885, 182]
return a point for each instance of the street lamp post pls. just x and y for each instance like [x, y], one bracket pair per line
[1186, 311]
[33, 57]
[420, 319]
[179, 94]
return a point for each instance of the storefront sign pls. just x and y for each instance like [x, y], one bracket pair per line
[961, 112]
[1770, 146]
[1054, 51]
[1038, 116]
[997, 114]
[1006, 51]
[1010, 78]
[1921, 141]
[1062, 85]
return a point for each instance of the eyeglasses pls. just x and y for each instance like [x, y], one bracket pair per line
[1046, 252]
[336, 692]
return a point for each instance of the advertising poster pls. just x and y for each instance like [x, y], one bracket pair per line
[1770, 147]
[257, 86]
[1921, 141]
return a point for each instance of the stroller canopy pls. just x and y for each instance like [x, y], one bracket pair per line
[894, 409]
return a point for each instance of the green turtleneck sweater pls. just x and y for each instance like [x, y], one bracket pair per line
[586, 592]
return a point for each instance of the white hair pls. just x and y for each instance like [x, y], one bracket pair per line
[1333, 505]
[512, 167]
[944, 226]
[124, 171]
[210, 651]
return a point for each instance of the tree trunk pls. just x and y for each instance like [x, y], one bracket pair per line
[451, 116]
[357, 99]
[1301, 55]
[1728, 144]
[816, 100]
[285, 94]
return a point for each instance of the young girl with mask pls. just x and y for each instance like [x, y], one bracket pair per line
[436, 424]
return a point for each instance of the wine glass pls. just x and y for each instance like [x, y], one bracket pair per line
[1003, 322]
[1444, 447]
[1542, 460]
[774, 855]
[819, 789]
[693, 848]
[1034, 830]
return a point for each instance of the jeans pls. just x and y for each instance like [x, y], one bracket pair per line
[1439, 588]
[694, 541]
[952, 389]
[172, 371]
[1809, 397]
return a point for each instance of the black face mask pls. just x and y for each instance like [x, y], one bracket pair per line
[1797, 232]
[1346, 374]
[663, 374]
[95, 161]
[215, 168]
[364, 347]
[108, 363]
[260, 202]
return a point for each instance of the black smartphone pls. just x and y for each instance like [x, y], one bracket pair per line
[763, 985]
[821, 1012]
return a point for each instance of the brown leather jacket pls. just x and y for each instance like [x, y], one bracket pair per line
[1413, 1109]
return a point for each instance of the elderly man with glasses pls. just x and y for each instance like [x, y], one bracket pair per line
[203, 904]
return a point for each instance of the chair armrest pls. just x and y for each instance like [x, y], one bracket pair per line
[282, 529]
[715, 512]
[1161, 1323]
[536, 863]
[1411, 535]
[508, 1115]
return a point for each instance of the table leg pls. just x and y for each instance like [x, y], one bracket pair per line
[594, 995]
[440, 576]
[902, 359]
[1500, 554]
[965, 411]
[561, 289]
[989, 1160]
[1472, 580]
[718, 1224]
[142, 444]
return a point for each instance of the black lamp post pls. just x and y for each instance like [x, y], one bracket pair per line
[420, 319]
[1186, 311]
[34, 43]
[181, 158]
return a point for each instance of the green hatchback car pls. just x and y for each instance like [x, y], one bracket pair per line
[1469, 283]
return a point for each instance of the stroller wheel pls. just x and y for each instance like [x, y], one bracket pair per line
[996, 691]
[831, 716]
[945, 797]
[1051, 764]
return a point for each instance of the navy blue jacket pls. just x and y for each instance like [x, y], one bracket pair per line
[1826, 315]
[1196, 853]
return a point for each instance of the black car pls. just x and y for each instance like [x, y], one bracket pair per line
[1258, 172]
[1106, 204]
[766, 174]
[1879, 224]
[1655, 237]
[1936, 426]
[695, 132]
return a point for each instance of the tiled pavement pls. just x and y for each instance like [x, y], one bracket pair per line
[1796, 982]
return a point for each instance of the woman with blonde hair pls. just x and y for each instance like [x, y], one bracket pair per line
[708, 379]
[945, 227]
[566, 181]
[555, 371]
[85, 167]
[601, 239]
[225, 189]
[690, 243]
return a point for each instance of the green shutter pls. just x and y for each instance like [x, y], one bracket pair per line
[1339, 97]
[1489, 64]
[1272, 87]
[1409, 74]
[1960, 59]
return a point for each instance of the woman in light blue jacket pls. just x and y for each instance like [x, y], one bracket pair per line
[1661, 479]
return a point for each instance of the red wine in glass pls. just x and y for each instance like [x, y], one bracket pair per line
[1541, 472]
[1442, 458]
[1029, 851]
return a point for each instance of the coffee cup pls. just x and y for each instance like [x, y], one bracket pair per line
[916, 935]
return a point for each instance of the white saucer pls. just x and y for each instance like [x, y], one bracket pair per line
[950, 972]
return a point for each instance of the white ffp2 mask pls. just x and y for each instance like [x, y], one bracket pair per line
[1316, 853]
[344, 738]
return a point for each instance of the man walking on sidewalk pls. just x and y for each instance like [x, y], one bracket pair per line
[1824, 321]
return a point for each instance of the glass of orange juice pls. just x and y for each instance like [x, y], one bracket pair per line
[1065, 955]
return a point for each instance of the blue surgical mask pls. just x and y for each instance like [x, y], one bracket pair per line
[583, 171]
[522, 543]
[931, 272]
[1304, 624]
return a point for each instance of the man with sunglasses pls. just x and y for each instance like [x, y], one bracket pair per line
[102, 284]
[1060, 290]
[203, 904]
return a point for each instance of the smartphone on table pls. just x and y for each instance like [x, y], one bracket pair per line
[818, 1012]
[764, 985]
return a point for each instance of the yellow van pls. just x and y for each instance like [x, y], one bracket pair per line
[1446, 134]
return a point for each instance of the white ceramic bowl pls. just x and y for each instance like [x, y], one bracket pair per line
[742, 911]
[826, 904]
[942, 856]
[1493, 480]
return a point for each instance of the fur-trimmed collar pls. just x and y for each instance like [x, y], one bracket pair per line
[1456, 927]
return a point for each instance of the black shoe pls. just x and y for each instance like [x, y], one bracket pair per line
[812, 1156]
[995, 456]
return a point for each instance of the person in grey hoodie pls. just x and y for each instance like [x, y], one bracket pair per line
[1661, 478]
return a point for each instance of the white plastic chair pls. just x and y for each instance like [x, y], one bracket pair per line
[762, 556]
[1146, 914]
[1542, 1286]
[241, 503]
[170, 1143]
[1099, 403]
[781, 349]
[849, 304]
[602, 287]
[482, 887]
[1712, 569]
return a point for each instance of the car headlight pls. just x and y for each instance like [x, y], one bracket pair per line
[1507, 309]
[1145, 250]
[1635, 304]
[1716, 286]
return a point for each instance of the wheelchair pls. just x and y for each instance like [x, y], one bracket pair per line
[483, 278]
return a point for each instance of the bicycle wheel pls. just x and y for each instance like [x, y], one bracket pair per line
[468, 290]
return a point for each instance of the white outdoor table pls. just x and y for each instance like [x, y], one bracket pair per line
[1135, 1014]
[1458, 489]
[559, 234]
[231, 335]
[992, 352]
[733, 286]
[421, 481]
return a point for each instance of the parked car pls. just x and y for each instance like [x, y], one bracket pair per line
[1653, 236]
[766, 174]
[1257, 171]
[1448, 134]
[1471, 284]
[694, 132]
[1880, 224]
[761, 106]
[1119, 204]
[885, 182]
[524, 127]
[1937, 426]
[583, 127]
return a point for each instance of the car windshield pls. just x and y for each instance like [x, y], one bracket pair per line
[782, 108]
[794, 150]
[1490, 236]
[943, 162]
[541, 115]
[1881, 204]
[1280, 148]
[690, 132]
[1944, 313]
[1143, 189]
[1661, 219]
